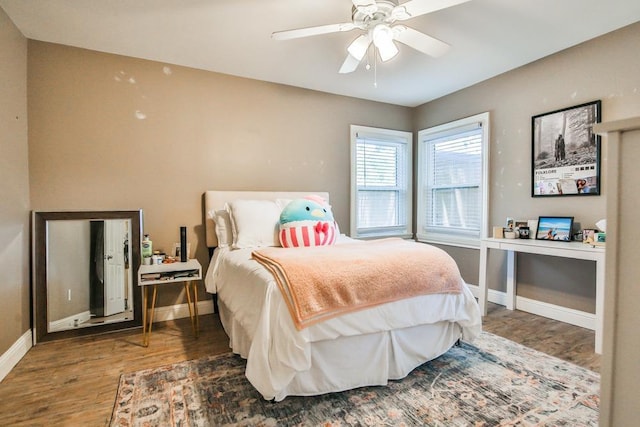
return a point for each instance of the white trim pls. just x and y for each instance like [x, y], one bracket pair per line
[540, 308]
[496, 297]
[460, 243]
[69, 322]
[552, 311]
[396, 136]
[180, 311]
[16, 352]
[423, 135]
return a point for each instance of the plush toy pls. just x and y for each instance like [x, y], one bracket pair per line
[307, 222]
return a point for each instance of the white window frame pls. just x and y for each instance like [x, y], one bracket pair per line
[447, 237]
[395, 136]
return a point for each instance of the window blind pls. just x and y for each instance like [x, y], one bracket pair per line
[382, 182]
[452, 179]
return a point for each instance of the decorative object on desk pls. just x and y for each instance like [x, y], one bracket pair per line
[184, 254]
[588, 235]
[510, 223]
[554, 228]
[510, 234]
[599, 239]
[498, 232]
[566, 152]
[177, 251]
[520, 223]
[602, 225]
[533, 225]
[492, 381]
[523, 232]
[521, 227]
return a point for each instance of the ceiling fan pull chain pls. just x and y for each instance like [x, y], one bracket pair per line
[375, 70]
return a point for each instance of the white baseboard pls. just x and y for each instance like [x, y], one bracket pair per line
[69, 322]
[552, 311]
[557, 312]
[179, 311]
[11, 357]
[497, 297]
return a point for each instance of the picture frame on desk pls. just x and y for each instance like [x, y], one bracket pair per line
[555, 228]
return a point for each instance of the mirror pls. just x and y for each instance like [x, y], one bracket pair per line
[85, 272]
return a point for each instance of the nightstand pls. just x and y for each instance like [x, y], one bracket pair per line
[154, 275]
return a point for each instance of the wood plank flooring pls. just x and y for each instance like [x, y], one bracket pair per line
[74, 382]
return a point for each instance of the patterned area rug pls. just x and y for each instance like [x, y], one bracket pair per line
[492, 382]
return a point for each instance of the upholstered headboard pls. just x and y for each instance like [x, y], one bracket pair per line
[215, 200]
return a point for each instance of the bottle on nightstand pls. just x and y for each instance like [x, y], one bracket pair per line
[147, 249]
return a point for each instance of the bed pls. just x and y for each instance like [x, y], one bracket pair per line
[369, 346]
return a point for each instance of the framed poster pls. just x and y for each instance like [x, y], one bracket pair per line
[566, 152]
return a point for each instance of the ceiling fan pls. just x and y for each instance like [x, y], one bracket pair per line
[375, 18]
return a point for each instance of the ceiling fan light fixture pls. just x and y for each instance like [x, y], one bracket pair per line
[387, 50]
[358, 48]
[382, 36]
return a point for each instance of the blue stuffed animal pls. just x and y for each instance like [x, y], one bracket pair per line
[307, 222]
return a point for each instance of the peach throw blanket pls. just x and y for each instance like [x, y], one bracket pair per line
[326, 281]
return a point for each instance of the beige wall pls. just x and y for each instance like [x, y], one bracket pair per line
[606, 68]
[14, 191]
[113, 132]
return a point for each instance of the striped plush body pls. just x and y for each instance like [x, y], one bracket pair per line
[307, 233]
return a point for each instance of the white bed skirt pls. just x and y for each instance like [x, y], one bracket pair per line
[355, 361]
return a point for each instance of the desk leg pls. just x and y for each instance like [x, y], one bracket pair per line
[150, 314]
[195, 307]
[482, 279]
[187, 291]
[600, 279]
[511, 280]
[144, 315]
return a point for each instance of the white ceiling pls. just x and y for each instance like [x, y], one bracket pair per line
[488, 37]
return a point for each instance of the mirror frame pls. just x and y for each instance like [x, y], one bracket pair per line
[39, 275]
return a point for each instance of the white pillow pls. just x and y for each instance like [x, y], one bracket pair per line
[254, 223]
[223, 228]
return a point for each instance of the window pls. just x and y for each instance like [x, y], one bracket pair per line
[380, 182]
[453, 182]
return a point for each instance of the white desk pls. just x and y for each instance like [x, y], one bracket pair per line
[575, 250]
[177, 272]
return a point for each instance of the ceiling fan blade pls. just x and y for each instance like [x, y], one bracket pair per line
[420, 41]
[312, 31]
[349, 65]
[414, 8]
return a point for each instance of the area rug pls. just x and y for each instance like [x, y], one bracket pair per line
[491, 382]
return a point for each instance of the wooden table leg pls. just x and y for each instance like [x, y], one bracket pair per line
[187, 291]
[144, 316]
[150, 314]
[195, 307]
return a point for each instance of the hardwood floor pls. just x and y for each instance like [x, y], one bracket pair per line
[73, 382]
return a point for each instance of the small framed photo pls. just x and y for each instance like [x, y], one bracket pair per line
[176, 250]
[510, 223]
[588, 236]
[519, 223]
[554, 228]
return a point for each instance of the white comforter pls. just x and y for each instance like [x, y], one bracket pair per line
[276, 350]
